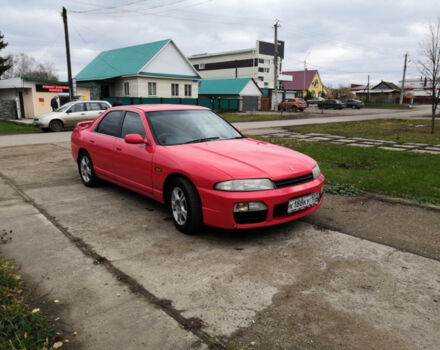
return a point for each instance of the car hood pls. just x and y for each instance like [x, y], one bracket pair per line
[245, 158]
[49, 115]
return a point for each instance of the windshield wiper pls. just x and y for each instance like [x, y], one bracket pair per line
[204, 139]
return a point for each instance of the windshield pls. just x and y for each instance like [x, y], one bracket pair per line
[64, 107]
[190, 126]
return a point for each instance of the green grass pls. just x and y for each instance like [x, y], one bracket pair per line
[384, 129]
[401, 174]
[244, 117]
[12, 128]
[386, 106]
[20, 327]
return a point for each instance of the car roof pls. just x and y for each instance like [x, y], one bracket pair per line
[161, 107]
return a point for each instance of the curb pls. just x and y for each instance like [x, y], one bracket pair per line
[398, 200]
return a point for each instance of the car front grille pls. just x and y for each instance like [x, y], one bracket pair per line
[294, 181]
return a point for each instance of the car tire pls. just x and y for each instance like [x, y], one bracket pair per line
[86, 171]
[56, 125]
[294, 109]
[354, 107]
[185, 206]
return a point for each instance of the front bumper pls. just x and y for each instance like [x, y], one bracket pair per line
[40, 123]
[218, 205]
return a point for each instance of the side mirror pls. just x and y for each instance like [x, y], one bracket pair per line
[69, 111]
[135, 139]
[237, 128]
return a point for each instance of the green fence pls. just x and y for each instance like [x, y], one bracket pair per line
[231, 105]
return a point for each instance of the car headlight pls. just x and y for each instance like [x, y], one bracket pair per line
[245, 185]
[316, 171]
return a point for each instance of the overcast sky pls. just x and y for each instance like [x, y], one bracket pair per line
[344, 40]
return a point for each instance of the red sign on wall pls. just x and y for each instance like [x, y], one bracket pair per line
[41, 99]
[51, 88]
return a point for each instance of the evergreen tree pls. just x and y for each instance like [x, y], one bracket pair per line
[4, 62]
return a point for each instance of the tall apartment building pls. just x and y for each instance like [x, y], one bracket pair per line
[256, 63]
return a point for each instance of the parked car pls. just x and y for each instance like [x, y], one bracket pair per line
[293, 105]
[199, 165]
[330, 104]
[352, 103]
[316, 100]
[69, 114]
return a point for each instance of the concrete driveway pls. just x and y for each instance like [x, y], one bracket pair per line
[127, 279]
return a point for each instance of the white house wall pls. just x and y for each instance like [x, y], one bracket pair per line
[139, 87]
[169, 61]
[250, 90]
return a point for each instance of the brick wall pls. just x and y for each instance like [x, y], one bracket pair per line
[8, 109]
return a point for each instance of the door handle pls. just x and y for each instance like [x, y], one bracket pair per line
[92, 141]
[83, 114]
[118, 148]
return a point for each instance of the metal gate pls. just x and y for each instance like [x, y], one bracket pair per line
[250, 103]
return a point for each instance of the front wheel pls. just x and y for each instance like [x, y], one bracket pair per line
[185, 206]
[56, 125]
[86, 171]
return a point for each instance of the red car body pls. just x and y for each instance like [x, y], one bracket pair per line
[148, 167]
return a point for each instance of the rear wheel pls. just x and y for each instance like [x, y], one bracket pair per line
[56, 125]
[86, 172]
[185, 206]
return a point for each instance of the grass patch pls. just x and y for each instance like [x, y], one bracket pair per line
[244, 117]
[348, 169]
[386, 106]
[12, 128]
[20, 327]
[382, 129]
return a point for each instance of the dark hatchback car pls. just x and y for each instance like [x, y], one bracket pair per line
[352, 103]
[330, 104]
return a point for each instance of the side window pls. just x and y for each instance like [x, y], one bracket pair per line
[111, 124]
[93, 106]
[78, 107]
[132, 125]
[104, 106]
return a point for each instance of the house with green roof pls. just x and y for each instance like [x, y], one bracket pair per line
[156, 69]
[222, 91]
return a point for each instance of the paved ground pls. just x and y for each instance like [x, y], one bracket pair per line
[357, 274]
[311, 117]
[352, 141]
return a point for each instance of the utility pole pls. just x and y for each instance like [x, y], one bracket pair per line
[368, 89]
[403, 80]
[69, 66]
[275, 71]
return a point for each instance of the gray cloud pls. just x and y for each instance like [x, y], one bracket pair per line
[345, 41]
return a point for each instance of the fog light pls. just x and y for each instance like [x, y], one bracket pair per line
[249, 206]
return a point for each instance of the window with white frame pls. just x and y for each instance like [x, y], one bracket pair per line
[174, 89]
[188, 90]
[126, 88]
[152, 89]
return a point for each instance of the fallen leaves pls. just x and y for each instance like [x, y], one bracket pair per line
[35, 310]
[57, 345]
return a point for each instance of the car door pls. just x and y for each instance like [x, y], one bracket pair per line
[133, 162]
[93, 110]
[75, 114]
[101, 142]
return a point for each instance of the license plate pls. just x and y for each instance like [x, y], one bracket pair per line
[300, 203]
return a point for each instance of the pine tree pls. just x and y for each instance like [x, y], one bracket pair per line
[4, 62]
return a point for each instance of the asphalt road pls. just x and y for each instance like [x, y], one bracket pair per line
[312, 117]
[127, 279]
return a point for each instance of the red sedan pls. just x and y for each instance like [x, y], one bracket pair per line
[199, 165]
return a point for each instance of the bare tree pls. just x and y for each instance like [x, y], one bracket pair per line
[24, 65]
[429, 65]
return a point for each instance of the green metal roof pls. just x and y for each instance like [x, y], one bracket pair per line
[222, 86]
[123, 61]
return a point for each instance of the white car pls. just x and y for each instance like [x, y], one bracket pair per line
[70, 114]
